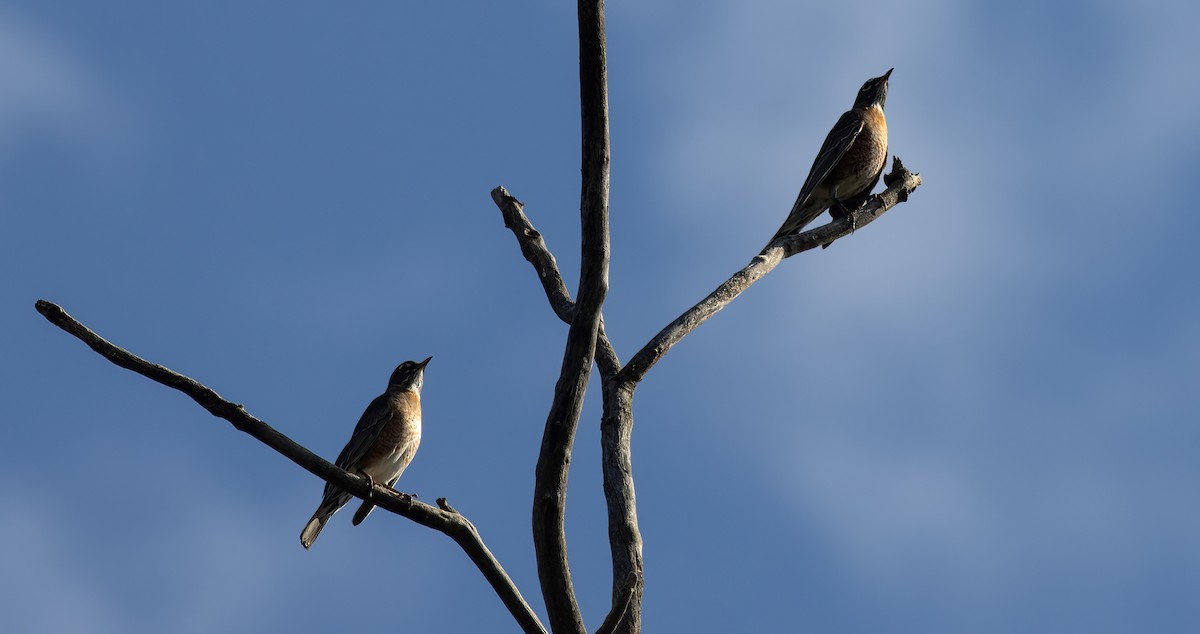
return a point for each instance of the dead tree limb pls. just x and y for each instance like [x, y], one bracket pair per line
[616, 425]
[554, 458]
[586, 342]
[445, 519]
[901, 183]
[534, 248]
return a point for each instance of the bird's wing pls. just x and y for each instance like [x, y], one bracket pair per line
[845, 207]
[840, 138]
[373, 420]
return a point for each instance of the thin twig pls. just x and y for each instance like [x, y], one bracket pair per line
[445, 520]
[901, 183]
[533, 247]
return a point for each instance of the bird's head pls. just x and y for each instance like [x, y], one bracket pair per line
[874, 92]
[409, 375]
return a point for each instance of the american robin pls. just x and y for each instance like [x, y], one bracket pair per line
[849, 163]
[383, 443]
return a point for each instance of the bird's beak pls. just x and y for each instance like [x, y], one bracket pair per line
[889, 73]
[424, 363]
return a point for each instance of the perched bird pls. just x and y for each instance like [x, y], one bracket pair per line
[383, 443]
[849, 163]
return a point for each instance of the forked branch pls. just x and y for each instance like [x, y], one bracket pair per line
[558, 438]
[534, 248]
[617, 421]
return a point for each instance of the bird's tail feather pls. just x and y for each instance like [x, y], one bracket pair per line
[803, 212]
[312, 529]
[328, 507]
[362, 513]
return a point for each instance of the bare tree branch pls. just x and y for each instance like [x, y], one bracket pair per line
[586, 342]
[550, 485]
[620, 605]
[615, 428]
[901, 182]
[617, 420]
[446, 519]
[534, 248]
[624, 536]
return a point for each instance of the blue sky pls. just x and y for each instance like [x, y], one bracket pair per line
[977, 415]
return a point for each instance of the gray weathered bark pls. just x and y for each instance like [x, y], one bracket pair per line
[550, 484]
[619, 383]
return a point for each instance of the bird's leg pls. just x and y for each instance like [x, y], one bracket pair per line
[837, 211]
[370, 483]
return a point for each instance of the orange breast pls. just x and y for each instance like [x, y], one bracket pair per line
[402, 431]
[864, 159]
[878, 123]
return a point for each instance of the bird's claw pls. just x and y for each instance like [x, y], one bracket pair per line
[370, 484]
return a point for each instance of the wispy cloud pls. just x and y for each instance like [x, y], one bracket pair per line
[49, 92]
